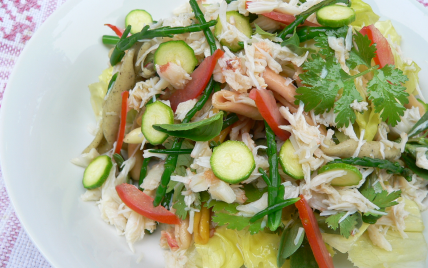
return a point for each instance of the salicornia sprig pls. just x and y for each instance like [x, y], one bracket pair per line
[304, 15]
[230, 119]
[274, 219]
[161, 32]
[143, 172]
[265, 177]
[110, 39]
[274, 208]
[390, 167]
[208, 34]
[171, 151]
[118, 54]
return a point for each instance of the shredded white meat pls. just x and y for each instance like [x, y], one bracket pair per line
[174, 74]
[84, 159]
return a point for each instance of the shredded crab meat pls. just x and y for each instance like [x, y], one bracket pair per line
[174, 74]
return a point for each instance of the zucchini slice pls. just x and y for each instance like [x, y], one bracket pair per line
[335, 16]
[353, 176]
[232, 162]
[241, 22]
[97, 172]
[290, 161]
[156, 113]
[138, 18]
[177, 52]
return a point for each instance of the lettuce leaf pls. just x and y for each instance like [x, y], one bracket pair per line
[364, 14]
[98, 91]
[231, 248]
[409, 252]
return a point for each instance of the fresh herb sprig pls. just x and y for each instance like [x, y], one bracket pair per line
[170, 151]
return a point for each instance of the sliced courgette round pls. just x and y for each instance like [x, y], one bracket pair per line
[290, 161]
[97, 172]
[177, 52]
[156, 113]
[352, 177]
[138, 18]
[232, 162]
[241, 22]
[335, 16]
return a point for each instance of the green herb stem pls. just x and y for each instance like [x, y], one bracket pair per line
[143, 172]
[170, 151]
[230, 119]
[265, 177]
[201, 18]
[117, 54]
[110, 39]
[274, 208]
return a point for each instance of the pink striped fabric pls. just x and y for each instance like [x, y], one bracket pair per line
[19, 19]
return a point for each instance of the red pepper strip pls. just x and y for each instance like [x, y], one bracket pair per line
[116, 29]
[313, 234]
[266, 103]
[200, 78]
[286, 18]
[143, 204]
[123, 112]
[384, 54]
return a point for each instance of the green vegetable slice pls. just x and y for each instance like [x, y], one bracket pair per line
[177, 52]
[290, 161]
[352, 177]
[335, 16]
[241, 22]
[97, 172]
[156, 113]
[138, 18]
[232, 162]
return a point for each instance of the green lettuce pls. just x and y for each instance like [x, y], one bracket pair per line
[364, 14]
[98, 91]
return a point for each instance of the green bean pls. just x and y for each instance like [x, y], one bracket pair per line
[201, 18]
[170, 151]
[143, 172]
[304, 15]
[274, 220]
[274, 208]
[110, 39]
[230, 119]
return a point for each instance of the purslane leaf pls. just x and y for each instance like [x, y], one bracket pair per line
[203, 130]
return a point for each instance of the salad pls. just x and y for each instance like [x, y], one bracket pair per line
[263, 133]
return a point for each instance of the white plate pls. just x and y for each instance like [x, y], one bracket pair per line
[46, 110]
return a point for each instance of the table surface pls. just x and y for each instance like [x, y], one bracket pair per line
[19, 20]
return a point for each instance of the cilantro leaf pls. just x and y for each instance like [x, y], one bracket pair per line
[388, 94]
[345, 114]
[237, 222]
[180, 207]
[346, 226]
[365, 53]
[293, 43]
[218, 206]
[382, 199]
[252, 193]
[322, 43]
[323, 82]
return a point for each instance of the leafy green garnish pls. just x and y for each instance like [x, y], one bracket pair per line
[420, 126]
[346, 226]
[180, 206]
[303, 257]
[382, 199]
[390, 167]
[263, 33]
[365, 53]
[184, 160]
[237, 222]
[203, 130]
[388, 94]
[293, 43]
[286, 245]
[218, 206]
[411, 164]
[253, 193]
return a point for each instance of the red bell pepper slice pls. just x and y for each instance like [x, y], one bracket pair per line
[122, 125]
[286, 18]
[143, 204]
[116, 29]
[200, 78]
[384, 54]
[266, 104]
[313, 234]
